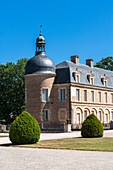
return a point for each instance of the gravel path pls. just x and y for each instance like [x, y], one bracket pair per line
[50, 159]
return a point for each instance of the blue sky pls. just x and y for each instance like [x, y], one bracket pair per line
[81, 27]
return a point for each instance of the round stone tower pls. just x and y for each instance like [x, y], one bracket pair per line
[39, 78]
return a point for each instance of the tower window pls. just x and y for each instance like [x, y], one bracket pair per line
[62, 95]
[45, 115]
[44, 95]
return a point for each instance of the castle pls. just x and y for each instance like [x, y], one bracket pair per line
[61, 97]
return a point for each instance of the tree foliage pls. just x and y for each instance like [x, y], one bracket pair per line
[12, 88]
[92, 127]
[106, 63]
[24, 129]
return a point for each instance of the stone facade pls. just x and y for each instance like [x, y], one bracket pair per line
[101, 108]
[62, 97]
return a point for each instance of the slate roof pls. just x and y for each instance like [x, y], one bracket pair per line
[64, 74]
[40, 63]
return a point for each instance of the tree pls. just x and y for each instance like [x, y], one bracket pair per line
[106, 63]
[24, 129]
[92, 127]
[12, 89]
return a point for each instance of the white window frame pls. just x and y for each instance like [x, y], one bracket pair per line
[45, 94]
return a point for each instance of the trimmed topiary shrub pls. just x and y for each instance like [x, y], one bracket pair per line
[24, 129]
[92, 127]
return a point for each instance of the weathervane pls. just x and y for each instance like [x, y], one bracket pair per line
[40, 29]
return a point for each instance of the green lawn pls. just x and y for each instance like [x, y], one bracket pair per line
[89, 144]
[3, 136]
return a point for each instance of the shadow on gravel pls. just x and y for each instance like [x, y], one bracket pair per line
[7, 144]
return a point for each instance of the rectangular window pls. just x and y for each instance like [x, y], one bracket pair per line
[62, 95]
[45, 115]
[105, 97]
[85, 95]
[44, 95]
[99, 97]
[111, 97]
[77, 94]
[92, 96]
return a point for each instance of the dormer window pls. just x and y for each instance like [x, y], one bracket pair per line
[76, 76]
[90, 78]
[104, 80]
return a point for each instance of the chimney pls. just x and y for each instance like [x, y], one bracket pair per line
[89, 62]
[75, 59]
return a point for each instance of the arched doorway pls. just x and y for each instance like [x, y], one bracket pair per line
[100, 115]
[106, 116]
[79, 115]
[86, 113]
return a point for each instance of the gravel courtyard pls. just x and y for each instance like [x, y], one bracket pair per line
[50, 159]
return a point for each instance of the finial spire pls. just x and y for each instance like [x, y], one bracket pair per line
[40, 29]
[40, 42]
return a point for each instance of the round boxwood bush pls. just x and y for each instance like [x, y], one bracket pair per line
[24, 129]
[92, 127]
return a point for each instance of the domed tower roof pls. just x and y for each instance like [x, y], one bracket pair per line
[40, 63]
